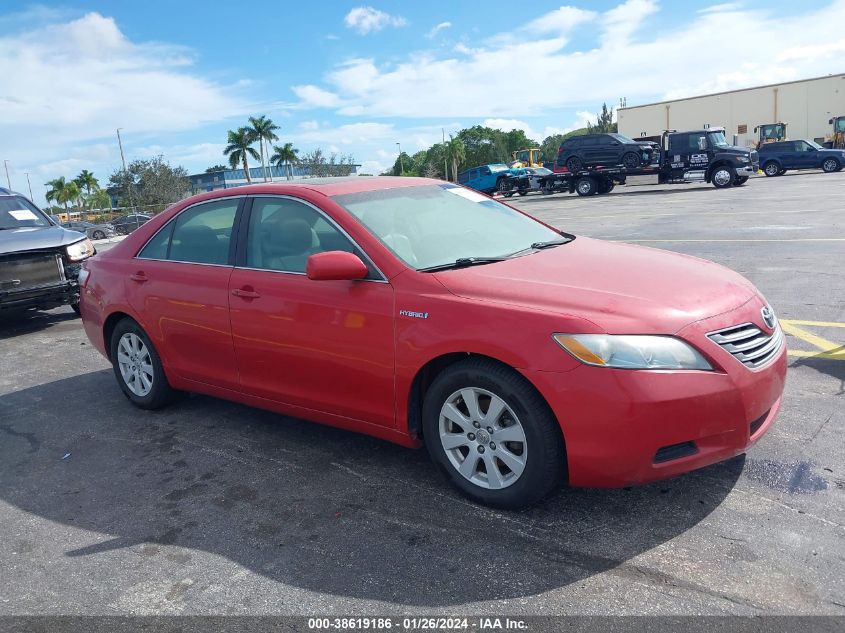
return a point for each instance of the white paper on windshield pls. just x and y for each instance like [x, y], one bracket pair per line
[466, 193]
[23, 214]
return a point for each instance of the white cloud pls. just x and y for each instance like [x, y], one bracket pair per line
[725, 7]
[309, 125]
[315, 97]
[439, 27]
[561, 20]
[532, 77]
[366, 20]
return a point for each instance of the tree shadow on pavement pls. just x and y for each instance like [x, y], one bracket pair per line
[310, 506]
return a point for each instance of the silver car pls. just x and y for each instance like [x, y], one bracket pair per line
[93, 231]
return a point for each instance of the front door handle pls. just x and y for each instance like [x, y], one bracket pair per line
[140, 277]
[245, 293]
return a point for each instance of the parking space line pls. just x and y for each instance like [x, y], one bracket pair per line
[786, 239]
[825, 349]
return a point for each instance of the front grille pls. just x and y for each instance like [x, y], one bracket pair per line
[674, 451]
[756, 424]
[30, 270]
[749, 344]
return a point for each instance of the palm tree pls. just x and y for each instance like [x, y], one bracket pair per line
[285, 155]
[54, 189]
[86, 180]
[456, 152]
[240, 145]
[100, 199]
[62, 191]
[263, 129]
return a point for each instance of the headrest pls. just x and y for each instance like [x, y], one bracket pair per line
[195, 236]
[290, 237]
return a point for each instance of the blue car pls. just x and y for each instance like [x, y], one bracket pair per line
[486, 178]
[776, 158]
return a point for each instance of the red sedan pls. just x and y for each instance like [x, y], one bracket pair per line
[419, 312]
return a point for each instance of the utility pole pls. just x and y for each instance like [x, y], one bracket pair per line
[125, 173]
[401, 166]
[31, 197]
[8, 180]
[445, 158]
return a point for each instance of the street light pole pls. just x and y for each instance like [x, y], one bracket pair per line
[29, 184]
[125, 173]
[401, 165]
[445, 159]
[8, 180]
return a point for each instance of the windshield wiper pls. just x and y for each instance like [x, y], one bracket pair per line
[538, 246]
[462, 262]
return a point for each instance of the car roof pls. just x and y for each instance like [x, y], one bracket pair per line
[329, 187]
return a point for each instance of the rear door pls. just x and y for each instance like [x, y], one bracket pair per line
[321, 345]
[179, 284]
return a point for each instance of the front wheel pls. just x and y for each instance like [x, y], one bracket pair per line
[98, 235]
[492, 434]
[138, 368]
[631, 160]
[723, 176]
[830, 165]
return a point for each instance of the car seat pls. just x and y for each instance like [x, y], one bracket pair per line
[198, 244]
[383, 225]
[287, 245]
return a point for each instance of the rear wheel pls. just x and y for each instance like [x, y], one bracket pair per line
[723, 176]
[492, 434]
[830, 165]
[574, 164]
[631, 160]
[98, 235]
[585, 186]
[138, 368]
[772, 169]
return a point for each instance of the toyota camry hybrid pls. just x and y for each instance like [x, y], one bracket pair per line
[422, 312]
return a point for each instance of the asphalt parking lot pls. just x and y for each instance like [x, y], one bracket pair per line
[211, 507]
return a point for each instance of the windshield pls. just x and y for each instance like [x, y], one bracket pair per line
[622, 138]
[17, 213]
[813, 144]
[541, 171]
[717, 139]
[840, 124]
[433, 225]
[497, 168]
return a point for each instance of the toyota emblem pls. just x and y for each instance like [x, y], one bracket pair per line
[768, 317]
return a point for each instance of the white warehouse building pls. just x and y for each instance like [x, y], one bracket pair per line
[805, 106]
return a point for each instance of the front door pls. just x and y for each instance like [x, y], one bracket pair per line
[322, 345]
[180, 283]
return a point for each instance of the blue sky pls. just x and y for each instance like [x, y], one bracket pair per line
[357, 78]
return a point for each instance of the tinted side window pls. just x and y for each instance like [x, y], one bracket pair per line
[283, 233]
[485, 171]
[199, 235]
[463, 177]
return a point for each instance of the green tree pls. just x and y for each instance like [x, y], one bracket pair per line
[263, 130]
[286, 155]
[239, 147]
[100, 199]
[150, 183]
[86, 180]
[604, 122]
[214, 168]
[403, 166]
[62, 191]
[456, 152]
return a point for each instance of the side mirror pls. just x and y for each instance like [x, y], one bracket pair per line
[335, 265]
[830, 121]
[702, 143]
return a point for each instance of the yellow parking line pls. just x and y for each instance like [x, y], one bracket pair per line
[826, 349]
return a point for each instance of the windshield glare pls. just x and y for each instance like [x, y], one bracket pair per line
[432, 225]
[813, 144]
[17, 213]
[498, 167]
[717, 139]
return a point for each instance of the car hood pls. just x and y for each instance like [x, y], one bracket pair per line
[36, 238]
[621, 288]
[830, 151]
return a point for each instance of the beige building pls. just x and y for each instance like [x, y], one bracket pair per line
[805, 106]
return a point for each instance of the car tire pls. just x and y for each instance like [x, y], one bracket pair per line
[585, 186]
[98, 235]
[631, 160]
[75, 308]
[456, 429]
[830, 165]
[141, 377]
[574, 164]
[741, 180]
[605, 186]
[772, 169]
[723, 176]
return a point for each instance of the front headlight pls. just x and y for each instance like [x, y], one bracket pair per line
[80, 250]
[743, 159]
[632, 351]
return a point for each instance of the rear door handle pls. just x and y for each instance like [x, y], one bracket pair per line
[245, 293]
[140, 277]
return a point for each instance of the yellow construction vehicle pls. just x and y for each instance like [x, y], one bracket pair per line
[770, 133]
[836, 140]
[527, 158]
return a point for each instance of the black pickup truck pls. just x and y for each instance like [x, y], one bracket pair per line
[39, 260]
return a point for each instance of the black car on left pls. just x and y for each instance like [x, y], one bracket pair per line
[39, 259]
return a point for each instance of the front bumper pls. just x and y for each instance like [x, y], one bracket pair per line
[624, 427]
[748, 170]
[42, 297]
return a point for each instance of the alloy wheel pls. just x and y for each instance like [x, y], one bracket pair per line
[135, 364]
[483, 438]
[830, 165]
